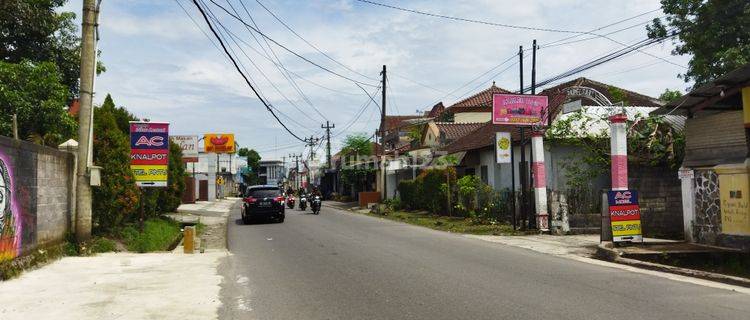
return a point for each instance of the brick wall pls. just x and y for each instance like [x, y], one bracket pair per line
[660, 198]
[37, 202]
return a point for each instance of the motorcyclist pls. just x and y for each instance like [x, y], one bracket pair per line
[316, 192]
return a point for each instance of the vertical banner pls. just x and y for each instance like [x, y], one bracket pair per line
[149, 153]
[219, 142]
[502, 147]
[189, 146]
[625, 215]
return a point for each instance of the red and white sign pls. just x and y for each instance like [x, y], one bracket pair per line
[519, 109]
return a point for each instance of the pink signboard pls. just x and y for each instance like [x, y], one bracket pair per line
[519, 109]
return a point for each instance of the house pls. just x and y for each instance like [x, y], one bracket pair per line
[714, 173]
[476, 108]
[584, 105]
[400, 130]
[271, 172]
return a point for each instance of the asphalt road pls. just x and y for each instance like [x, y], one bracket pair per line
[340, 265]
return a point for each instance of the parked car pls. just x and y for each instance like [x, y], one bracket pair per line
[262, 202]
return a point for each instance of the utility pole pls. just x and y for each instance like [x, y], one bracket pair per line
[534, 135]
[328, 141]
[311, 142]
[296, 166]
[523, 168]
[382, 133]
[86, 95]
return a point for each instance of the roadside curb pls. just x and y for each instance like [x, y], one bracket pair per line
[604, 252]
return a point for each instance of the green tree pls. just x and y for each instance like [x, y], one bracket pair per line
[357, 144]
[253, 162]
[37, 31]
[35, 93]
[670, 95]
[169, 198]
[122, 116]
[116, 200]
[716, 33]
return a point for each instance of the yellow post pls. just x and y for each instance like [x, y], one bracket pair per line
[189, 239]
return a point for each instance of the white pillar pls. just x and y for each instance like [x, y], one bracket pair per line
[540, 181]
[211, 173]
[688, 201]
[619, 151]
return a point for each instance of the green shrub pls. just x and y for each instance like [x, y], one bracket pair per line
[433, 194]
[409, 194]
[157, 235]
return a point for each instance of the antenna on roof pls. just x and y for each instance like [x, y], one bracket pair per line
[493, 83]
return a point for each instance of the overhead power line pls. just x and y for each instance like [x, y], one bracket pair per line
[503, 25]
[289, 50]
[309, 43]
[236, 66]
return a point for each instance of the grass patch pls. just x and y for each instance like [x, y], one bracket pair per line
[450, 224]
[157, 235]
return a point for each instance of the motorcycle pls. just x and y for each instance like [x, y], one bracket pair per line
[290, 202]
[303, 202]
[315, 204]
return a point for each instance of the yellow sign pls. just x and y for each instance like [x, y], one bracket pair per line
[626, 228]
[734, 192]
[746, 105]
[153, 175]
[220, 181]
[219, 142]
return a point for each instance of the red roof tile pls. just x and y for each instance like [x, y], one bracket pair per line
[483, 137]
[74, 108]
[633, 98]
[454, 131]
[395, 122]
[436, 110]
[480, 101]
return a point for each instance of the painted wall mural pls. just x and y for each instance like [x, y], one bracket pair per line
[10, 215]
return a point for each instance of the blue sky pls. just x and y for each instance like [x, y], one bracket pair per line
[162, 67]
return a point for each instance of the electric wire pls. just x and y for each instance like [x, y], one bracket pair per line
[236, 66]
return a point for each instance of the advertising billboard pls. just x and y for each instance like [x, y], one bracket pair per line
[189, 146]
[519, 109]
[503, 147]
[219, 142]
[625, 215]
[149, 153]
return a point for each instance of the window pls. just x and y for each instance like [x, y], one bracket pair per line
[263, 193]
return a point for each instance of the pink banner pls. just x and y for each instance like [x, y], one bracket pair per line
[519, 109]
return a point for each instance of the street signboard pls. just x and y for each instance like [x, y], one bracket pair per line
[519, 109]
[503, 147]
[625, 215]
[219, 142]
[149, 153]
[189, 146]
[220, 181]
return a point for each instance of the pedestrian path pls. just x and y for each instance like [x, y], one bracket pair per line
[117, 286]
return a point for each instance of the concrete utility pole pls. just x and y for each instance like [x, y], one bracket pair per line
[311, 142]
[382, 134]
[328, 141]
[88, 71]
[523, 169]
[296, 166]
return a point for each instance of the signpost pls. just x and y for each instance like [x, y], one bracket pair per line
[189, 146]
[149, 153]
[625, 216]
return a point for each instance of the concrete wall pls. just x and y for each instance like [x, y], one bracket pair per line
[472, 117]
[37, 202]
[660, 198]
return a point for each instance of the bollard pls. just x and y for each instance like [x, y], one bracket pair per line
[189, 239]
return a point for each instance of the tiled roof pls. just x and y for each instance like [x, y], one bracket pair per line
[394, 122]
[633, 98]
[436, 110]
[482, 137]
[74, 108]
[480, 101]
[454, 131]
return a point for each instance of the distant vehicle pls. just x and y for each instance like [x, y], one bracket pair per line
[303, 202]
[262, 202]
[315, 204]
[290, 201]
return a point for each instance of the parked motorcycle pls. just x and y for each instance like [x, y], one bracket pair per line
[315, 204]
[303, 202]
[290, 202]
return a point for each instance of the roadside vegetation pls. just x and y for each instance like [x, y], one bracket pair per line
[158, 235]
